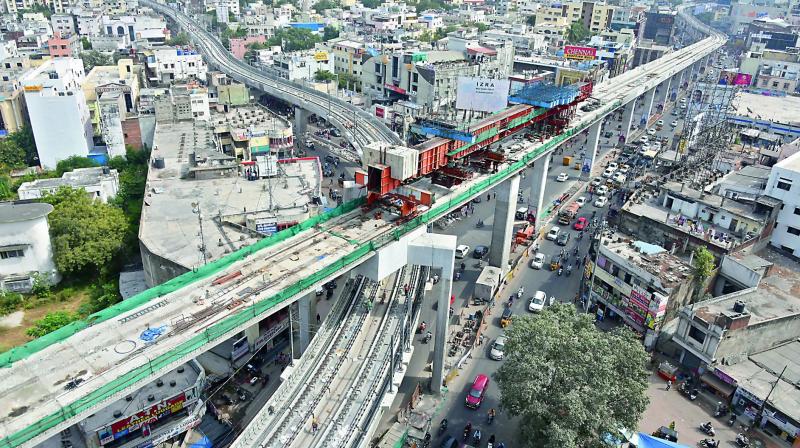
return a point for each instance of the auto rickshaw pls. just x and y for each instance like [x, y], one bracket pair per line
[555, 262]
[506, 318]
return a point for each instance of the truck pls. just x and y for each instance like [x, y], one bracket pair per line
[488, 283]
[568, 213]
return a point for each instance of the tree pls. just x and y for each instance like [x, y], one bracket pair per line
[441, 33]
[531, 20]
[94, 58]
[73, 162]
[425, 36]
[371, 4]
[25, 140]
[11, 154]
[577, 32]
[324, 76]
[293, 39]
[50, 323]
[330, 32]
[570, 383]
[703, 266]
[86, 234]
[481, 26]
[85, 44]
[179, 40]
[324, 5]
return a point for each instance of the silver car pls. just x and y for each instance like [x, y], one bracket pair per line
[498, 349]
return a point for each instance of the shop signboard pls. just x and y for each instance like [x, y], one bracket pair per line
[482, 94]
[270, 333]
[638, 299]
[128, 425]
[577, 53]
[240, 348]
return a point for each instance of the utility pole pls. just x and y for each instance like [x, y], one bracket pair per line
[760, 413]
[197, 211]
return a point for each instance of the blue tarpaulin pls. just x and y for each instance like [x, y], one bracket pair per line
[202, 443]
[648, 441]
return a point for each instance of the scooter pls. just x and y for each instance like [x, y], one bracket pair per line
[732, 420]
[742, 440]
[709, 443]
[443, 426]
[707, 429]
[427, 337]
[693, 395]
[520, 291]
[476, 437]
[569, 270]
[560, 270]
[479, 224]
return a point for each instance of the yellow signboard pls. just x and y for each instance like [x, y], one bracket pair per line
[36, 88]
[321, 56]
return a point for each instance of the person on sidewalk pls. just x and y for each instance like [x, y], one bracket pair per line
[669, 384]
[314, 424]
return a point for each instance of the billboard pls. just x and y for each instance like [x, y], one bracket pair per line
[482, 94]
[579, 53]
[128, 425]
[320, 56]
[735, 79]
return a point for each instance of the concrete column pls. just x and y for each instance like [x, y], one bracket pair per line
[442, 323]
[592, 144]
[504, 208]
[251, 333]
[647, 110]
[539, 180]
[663, 94]
[307, 310]
[627, 119]
[300, 121]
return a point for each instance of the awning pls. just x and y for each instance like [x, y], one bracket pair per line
[717, 384]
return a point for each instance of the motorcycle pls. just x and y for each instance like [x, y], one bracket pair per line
[569, 270]
[491, 441]
[742, 441]
[707, 429]
[560, 270]
[709, 443]
[520, 291]
[467, 431]
[722, 410]
[476, 437]
[443, 426]
[457, 275]
[693, 395]
[479, 224]
[427, 337]
[732, 420]
[422, 327]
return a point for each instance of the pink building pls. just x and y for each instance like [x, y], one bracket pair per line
[239, 46]
[64, 47]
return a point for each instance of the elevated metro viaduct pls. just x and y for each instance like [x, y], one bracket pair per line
[275, 272]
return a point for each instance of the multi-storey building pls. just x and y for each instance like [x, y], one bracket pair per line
[595, 16]
[301, 65]
[12, 104]
[165, 65]
[57, 109]
[784, 184]
[64, 24]
[181, 103]
[25, 248]
[64, 46]
[659, 27]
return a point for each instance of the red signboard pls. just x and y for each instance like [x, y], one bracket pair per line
[141, 419]
[379, 112]
[579, 53]
[395, 89]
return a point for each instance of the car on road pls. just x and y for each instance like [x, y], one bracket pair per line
[608, 172]
[683, 106]
[450, 442]
[601, 201]
[476, 200]
[644, 140]
[477, 391]
[480, 251]
[608, 134]
[581, 201]
[674, 124]
[553, 233]
[674, 112]
[612, 165]
[563, 239]
[601, 190]
[538, 261]
[660, 123]
[462, 250]
[596, 182]
[651, 132]
[580, 224]
[537, 302]
[619, 178]
[624, 169]
[498, 348]
[335, 132]
[562, 177]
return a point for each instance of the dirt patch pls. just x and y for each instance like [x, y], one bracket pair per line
[11, 337]
[12, 320]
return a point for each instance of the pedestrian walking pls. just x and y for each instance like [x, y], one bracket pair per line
[314, 424]
[669, 384]
[319, 319]
[488, 196]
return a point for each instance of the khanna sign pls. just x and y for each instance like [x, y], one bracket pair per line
[579, 53]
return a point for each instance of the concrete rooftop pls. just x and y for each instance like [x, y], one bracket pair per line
[785, 109]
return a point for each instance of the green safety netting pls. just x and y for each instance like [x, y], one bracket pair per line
[216, 332]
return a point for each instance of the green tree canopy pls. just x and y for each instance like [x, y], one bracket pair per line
[293, 39]
[323, 5]
[179, 40]
[330, 32]
[577, 32]
[531, 20]
[481, 26]
[85, 44]
[50, 323]
[86, 234]
[324, 75]
[11, 154]
[73, 162]
[703, 266]
[94, 58]
[372, 4]
[569, 382]
[24, 139]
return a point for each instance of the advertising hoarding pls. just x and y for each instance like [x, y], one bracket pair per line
[482, 94]
[735, 79]
[125, 426]
[577, 53]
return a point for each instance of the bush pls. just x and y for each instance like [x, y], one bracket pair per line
[41, 286]
[50, 323]
[9, 302]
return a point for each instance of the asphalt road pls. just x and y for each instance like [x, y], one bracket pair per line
[563, 288]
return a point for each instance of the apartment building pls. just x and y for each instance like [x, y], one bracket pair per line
[784, 184]
[68, 46]
[165, 65]
[12, 104]
[595, 16]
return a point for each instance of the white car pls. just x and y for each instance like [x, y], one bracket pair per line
[537, 302]
[601, 201]
[651, 132]
[660, 123]
[562, 177]
[462, 251]
[581, 201]
[553, 233]
[619, 178]
[644, 139]
[624, 169]
[601, 190]
[612, 165]
[596, 182]
[538, 261]
[674, 124]
[608, 172]
[498, 349]
[683, 106]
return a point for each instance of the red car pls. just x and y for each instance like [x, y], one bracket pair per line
[580, 224]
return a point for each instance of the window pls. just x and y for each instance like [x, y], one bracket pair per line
[784, 186]
[797, 210]
[793, 230]
[627, 278]
[14, 253]
[697, 334]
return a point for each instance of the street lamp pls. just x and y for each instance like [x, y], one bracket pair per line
[196, 210]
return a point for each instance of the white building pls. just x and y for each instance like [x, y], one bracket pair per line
[183, 102]
[57, 109]
[99, 182]
[301, 65]
[25, 248]
[64, 24]
[784, 184]
[169, 64]
[150, 28]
